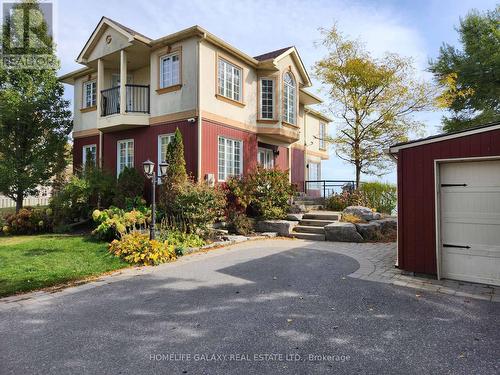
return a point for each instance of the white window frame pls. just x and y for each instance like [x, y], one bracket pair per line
[170, 137]
[261, 98]
[268, 155]
[226, 82]
[118, 143]
[84, 154]
[92, 84]
[227, 160]
[289, 100]
[174, 75]
[322, 136]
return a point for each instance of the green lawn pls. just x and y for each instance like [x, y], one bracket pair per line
[34, 262]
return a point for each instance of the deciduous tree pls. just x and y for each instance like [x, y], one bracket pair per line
[374, 99]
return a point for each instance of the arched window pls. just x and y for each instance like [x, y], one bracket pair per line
[289, 98]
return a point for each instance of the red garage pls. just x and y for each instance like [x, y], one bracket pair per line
[449, 205]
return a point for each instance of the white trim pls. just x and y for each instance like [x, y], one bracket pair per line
[443, 138]
[160, 136]
[273, 103]
[437, 200]
[84, 154]
[162, 74]
[118, 153]
[225, 158]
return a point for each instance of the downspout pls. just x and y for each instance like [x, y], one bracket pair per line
[198, 105]
[305, 148]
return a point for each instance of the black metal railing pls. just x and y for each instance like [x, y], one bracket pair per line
[137, 100]
[326, 188]
[110, 101]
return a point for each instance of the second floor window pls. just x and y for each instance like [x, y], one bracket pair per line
[89, 94]
[322, 135]
[89, 156]
[266, 98]
[125, 155]
[170, 70]
[229, 80]
[289, 98]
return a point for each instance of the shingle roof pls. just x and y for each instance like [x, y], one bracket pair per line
[128, 29]
[272, 54]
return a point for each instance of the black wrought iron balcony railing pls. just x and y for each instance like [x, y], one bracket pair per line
[137, 100]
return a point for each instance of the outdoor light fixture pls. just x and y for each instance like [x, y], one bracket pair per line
[163, 168]
[148, 167]
[149, 171]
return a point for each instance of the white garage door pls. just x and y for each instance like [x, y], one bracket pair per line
[470, 221]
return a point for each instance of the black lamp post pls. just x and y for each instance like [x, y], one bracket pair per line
[149, 171]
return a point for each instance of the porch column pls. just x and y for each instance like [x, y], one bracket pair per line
[123, 81]
[100, 85]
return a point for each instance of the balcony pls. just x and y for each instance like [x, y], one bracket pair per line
[136, 107]
[137, 100]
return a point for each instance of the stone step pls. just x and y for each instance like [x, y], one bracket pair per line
[309, 236]
[316, 223]
[306, 229]
[321, 216]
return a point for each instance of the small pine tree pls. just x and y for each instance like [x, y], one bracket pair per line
[176, 178]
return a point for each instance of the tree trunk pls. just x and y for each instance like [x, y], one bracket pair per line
[19, 201]
[358, 175]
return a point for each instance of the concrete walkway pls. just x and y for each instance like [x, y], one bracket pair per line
[377, 264]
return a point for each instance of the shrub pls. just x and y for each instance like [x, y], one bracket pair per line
[198, 206]
[264, 193]
[350, 218]
[28, 221]
[176, 180]
[71, 204]
[102, 186]
[130, 185]
[380, 196]
[338, 202]
[115, 222]
[240, 223]
[179, 239]
[137, 248]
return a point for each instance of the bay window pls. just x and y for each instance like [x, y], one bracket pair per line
[266, 98]
[289, 98]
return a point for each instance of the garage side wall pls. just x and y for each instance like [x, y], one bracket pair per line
[416, 194]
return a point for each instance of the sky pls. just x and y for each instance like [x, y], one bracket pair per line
[413, 29]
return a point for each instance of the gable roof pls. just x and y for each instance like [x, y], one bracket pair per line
[272, 54]
[127, 32]
[445, 136]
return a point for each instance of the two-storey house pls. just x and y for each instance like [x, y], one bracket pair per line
[233, 110]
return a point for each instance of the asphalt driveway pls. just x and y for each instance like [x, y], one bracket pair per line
[275, 306]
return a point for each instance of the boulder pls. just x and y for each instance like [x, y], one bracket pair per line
[294, 217]
[362, 212]
[282, 227]
[389, 225]
[371, 231]
[342, 232]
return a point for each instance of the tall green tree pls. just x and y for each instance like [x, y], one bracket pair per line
[34, 118]
[176, 178]
[374, 99]
[470, 75]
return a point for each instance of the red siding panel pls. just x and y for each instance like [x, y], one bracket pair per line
[78, 144]
[146, 144]
[416, 194]
[298, 172]
[281, 161]
[210, 148]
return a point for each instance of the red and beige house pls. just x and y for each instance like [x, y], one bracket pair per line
[233, 110]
